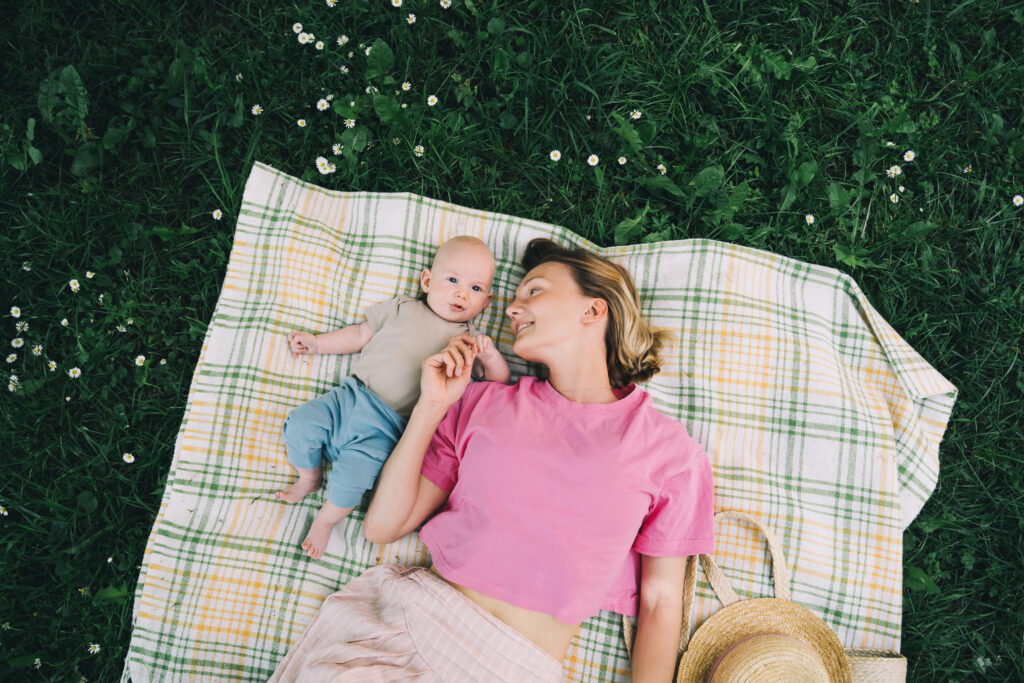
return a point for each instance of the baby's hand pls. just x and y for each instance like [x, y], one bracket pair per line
[301, 343]
[484, 346]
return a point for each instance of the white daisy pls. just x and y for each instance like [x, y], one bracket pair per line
[890, 144]
[342, 40]
[74, 373]
[18, 342]
[94, 648]
[163, 361]
[809, 218]
[343, 69]
[622, 161]
[407, 86]
[12, 357]
[635, 114]
[74, 285]
[432, 100]
[217, 214]
[555, 155]
[909, 155]
[21, 326]
[331, 3]
[3, 511]
[15, 312]
[89, 275]
[411, 19]
[418, 150]
[894, 198]
[64, 322]
[893, 171]
[323, 104]
[336, 149]
[396, 141]
[140, 360]
[238, 77]
[367, 51]
[301, 123]
[445, 4]
[257, 110]
[296, 27]
[661, 169]
[52, 365]
[128, 458]
[129, 321]
[396, 3]
[1018, 200]
[319, 45]
[37, 350]
[26, 266]
[968, 169]
[901, 188]
[593, 160]
[350, 123]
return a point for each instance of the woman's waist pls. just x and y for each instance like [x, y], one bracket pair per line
[548, 633]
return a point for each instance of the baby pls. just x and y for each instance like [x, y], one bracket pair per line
[356, 425]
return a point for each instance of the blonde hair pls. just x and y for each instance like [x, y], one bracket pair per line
[632, 345]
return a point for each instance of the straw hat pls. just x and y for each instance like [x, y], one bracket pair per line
[765, 639]
[760, 639]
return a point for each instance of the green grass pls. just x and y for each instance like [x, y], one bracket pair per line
[761, 112]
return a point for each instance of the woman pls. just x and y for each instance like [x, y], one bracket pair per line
[546, 493]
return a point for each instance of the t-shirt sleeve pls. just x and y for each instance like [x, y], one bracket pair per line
[378, 313]
[682, 517]
[441, 462]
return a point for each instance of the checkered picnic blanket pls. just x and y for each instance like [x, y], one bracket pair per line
[818, 418]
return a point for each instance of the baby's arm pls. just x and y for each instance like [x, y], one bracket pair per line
[494, 364]
[346, 340]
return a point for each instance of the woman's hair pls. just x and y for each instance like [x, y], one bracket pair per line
[632, 344]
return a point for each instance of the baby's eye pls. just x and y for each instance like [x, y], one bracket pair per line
[452, 280]
[477, 288]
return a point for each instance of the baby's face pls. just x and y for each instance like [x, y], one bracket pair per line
[458, 287]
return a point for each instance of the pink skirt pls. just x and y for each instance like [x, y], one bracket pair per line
[408, 624]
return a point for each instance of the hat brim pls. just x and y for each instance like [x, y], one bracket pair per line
[762, 615]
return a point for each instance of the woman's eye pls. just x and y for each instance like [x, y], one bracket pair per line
[534, 289]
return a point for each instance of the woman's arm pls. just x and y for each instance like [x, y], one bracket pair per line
[404, 497]
[659, 621]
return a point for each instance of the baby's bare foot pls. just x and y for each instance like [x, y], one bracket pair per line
[302, 487]
[320, 531]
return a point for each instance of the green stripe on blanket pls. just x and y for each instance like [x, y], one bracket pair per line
[819, 419]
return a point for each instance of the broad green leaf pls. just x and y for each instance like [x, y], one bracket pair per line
[74, 92]
[916, 579]
[361, 138]
[732, 231]
[805, 173]
[777, 65]
[788, 197]
[919, 229]
[508, 120]
[112, 594]
[660, 182]
[647, 131]
[496, 26]
[708, 180]
[857, 257]
[87, 501]
[387, 108]
[86, 160]
[629, 227]
[380, 61]
[838, 198]
[628, 133]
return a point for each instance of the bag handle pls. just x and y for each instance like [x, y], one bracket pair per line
[720, 584]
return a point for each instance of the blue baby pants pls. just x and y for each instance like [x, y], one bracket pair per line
[353, 429]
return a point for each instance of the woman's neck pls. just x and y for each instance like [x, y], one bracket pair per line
[583, 380]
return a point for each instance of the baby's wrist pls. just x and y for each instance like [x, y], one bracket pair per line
[313, 350]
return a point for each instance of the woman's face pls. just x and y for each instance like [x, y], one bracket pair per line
[547, 313]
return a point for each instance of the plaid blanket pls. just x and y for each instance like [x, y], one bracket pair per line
[817, 416]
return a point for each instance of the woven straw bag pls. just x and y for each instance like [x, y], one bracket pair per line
[767, 638]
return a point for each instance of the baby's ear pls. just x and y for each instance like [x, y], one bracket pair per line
[425, 280]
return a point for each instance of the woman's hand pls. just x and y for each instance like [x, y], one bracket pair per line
[447, 373]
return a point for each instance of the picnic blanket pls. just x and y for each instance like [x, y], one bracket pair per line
[818, 419]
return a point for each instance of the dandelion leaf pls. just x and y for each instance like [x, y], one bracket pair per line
[708, 180]
[380, 61]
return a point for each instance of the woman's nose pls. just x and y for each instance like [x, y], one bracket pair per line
[513, 310]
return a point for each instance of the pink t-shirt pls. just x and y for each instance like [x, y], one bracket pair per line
[550, 500]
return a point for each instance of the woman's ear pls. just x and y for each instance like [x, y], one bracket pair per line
[425, 280]
[596, 311]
